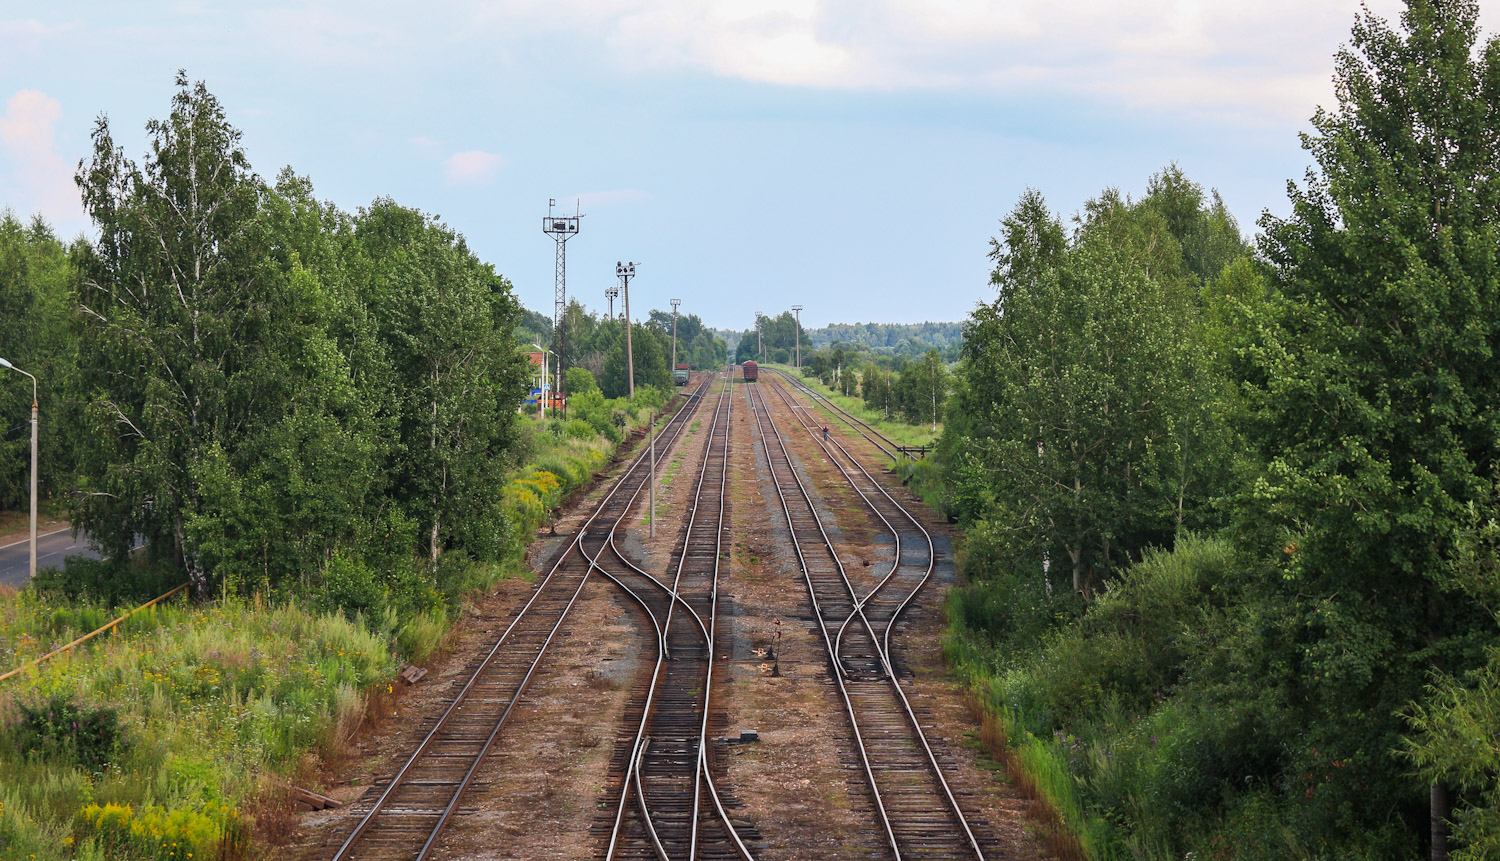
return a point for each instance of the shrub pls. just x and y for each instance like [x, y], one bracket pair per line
[109, 582]
[66, 730]
[351, 585]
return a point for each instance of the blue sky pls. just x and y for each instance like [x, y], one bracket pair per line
[853, 156]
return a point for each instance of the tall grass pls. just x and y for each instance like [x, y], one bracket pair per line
[207, 700]
[196, 714]
[1097, 713]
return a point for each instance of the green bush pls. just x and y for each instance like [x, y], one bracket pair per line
[1117, 695]
[110, 582]
[352, 586]
[581, 382]
[68, 731]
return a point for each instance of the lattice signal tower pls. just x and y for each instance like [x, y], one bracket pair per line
[561, 228]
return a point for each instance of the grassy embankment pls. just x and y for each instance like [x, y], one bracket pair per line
[173, 737]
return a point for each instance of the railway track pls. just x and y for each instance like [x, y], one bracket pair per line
[414, 805]
[667, 769]
[916, 809]
[887, 446]
[915, 556]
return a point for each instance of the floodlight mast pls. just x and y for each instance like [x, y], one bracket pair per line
[798, 310]
[760, 350]
[626, 271]
[561, 229]
[611, 293]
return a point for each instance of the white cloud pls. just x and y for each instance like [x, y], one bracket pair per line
[1271, 59]
[37, 178]
[1268, 61]
[473, 167]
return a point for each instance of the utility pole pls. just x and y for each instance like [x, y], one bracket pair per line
[798, 310]
[675, 303]
[652, 445]
[561, 229]
[610, 293]
[6, 364]
[626, 271]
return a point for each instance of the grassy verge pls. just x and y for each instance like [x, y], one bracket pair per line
[174, 736]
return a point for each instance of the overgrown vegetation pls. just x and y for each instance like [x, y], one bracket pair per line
[312, 415]
[1230, 513]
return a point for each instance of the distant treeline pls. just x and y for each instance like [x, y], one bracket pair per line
[893, 339]
[881, 342]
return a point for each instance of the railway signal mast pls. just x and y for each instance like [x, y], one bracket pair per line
[626, 271]
[561, 229]
[798, 310]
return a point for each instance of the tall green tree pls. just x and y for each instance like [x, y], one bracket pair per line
[650, 356]
[445, 320]
[220, 413]
[922, 389]
[36, 276]
[1374, 397]
[1073, 427]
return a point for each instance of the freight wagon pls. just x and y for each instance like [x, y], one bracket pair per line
[680, 375]
[751, 372]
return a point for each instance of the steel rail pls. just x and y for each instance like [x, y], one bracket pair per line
[713, 617]
[885, 643]
[854, 421]
[757, 406]
[635, 763]
[642, 740]
[689, 405]
[859, 602]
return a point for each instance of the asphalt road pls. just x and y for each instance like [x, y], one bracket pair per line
[52, 547]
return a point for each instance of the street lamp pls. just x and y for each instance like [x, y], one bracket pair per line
[6, 364]
[798, 309]
[541, 401]
[626, 271]
[675, 303]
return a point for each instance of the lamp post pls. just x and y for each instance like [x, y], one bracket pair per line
[675, 303]
[798, 310]
[6, 364]
[652, 444]
[542, 400]
[626, 271]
